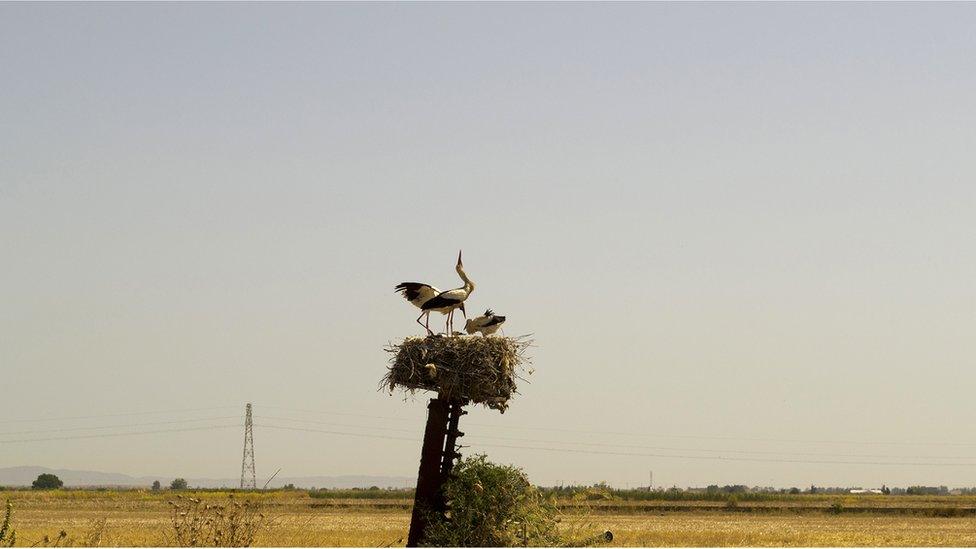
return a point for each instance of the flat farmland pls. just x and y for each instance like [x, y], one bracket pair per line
[293, 518]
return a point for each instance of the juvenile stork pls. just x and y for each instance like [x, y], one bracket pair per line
[429, 298]
[487, 323]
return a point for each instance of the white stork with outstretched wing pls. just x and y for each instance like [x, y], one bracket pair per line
[429, 298]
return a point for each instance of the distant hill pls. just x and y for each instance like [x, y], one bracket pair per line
[25, 475]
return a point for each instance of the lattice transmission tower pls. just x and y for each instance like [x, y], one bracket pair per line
[248, 476]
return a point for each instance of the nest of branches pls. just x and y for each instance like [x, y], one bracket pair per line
[482, 370]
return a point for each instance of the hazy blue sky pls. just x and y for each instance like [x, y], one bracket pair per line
[736, 230]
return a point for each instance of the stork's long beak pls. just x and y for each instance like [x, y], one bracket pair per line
[459, 259]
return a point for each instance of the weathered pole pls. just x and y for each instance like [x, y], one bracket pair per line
[428, 497]
[454, 413]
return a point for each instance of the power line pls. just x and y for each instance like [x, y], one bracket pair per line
[338, 424]
[507, 427]
[650, 435]
[118, 414]
[637, 446]
[635, 454]
[765, 452]
[341, 433]
[329, 413]
[108, 435]
[123, 425]
[725, 458]
[734, 438]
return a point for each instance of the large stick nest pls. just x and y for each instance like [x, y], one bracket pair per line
[480, 369]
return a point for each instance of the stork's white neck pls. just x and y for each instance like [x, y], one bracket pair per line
[468, 285]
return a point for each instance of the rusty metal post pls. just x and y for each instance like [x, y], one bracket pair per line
[454, 413]
[428, 496]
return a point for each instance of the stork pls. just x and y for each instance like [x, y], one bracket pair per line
[429, 298]
[487, 323]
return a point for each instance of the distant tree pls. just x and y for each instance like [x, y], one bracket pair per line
[289, 486]
[813, 489]
[885, 490]
[156, 486]
[794, 490]
[925, 490]
[47, 481]
[178, 484]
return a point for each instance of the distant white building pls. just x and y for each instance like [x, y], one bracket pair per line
[861, 491]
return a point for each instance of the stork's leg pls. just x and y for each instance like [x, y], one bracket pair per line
[428, 320]
[427, 325]
[447, 324]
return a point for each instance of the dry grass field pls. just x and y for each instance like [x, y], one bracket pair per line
[139, 518]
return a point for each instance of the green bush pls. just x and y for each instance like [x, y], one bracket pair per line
[493, 506]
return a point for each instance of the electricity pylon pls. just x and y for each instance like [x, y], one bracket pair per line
[248, 476]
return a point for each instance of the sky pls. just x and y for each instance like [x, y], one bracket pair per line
[741, 235]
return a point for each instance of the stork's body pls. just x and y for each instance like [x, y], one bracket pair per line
[430, 299]
[487, 323]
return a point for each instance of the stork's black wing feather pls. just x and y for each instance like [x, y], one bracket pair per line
[495, 320]
[410, 290]
[439, 301]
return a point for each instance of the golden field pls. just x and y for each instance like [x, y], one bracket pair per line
[140, 518]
